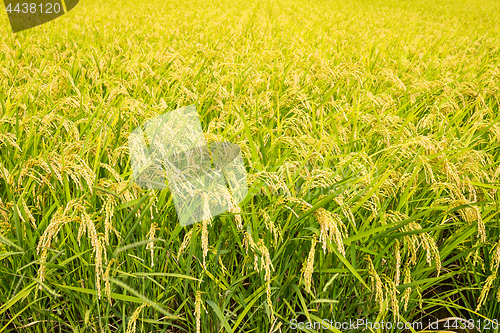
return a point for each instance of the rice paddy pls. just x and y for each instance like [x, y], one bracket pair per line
[369, 129]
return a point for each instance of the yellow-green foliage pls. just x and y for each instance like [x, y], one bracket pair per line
[369, 128]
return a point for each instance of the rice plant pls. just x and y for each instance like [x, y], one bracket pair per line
[370, 133]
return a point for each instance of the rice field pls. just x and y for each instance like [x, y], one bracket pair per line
[370, 132]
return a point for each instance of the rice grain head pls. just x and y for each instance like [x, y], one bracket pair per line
[268, 267]
[185, 242]
[398, 263]
[407, 292]
[346, 210]
[332, 229]
[376, 282]
[28, 213]
[308, 266]
[392, 295]
[109, 208]
[233, 206]
[197, 310]
[420, 299]
[248, 242]
[486, 290]
[132, 323]
[98, 248]
[151, 236]
[62, 216]
[107, 284]
[495, 262]
[275, 231]
[204, 239]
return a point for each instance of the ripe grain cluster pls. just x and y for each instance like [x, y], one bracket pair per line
[370, 132]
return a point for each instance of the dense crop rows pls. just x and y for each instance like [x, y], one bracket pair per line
[370, 132]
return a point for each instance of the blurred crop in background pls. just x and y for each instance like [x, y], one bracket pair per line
[370, 131]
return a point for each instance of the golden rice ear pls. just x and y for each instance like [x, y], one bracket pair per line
[151, 235]
[407, 292]
[204, 239]
[346, 210]
[392, 296]
[109, 209]
[308, 265]
[197, 310]
[376, 282]
[9, 139]
[132, 323]
[397, 277]
[268, 267]
[495, 262]
[486, 290]
[271, 226]
[227, 158]
[332, 229]
[185, 242]
[74, 211]
[107, 284]
[99, 250]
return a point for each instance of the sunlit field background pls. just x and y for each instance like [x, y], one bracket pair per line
[370, 132]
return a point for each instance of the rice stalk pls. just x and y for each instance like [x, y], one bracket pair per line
[132, 323]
